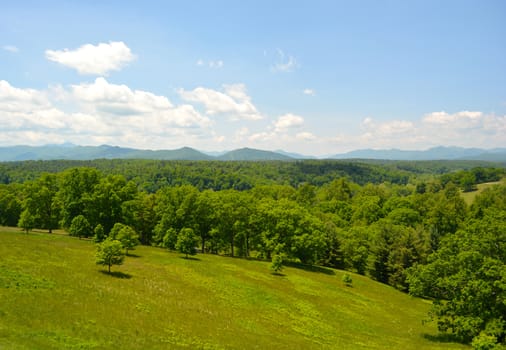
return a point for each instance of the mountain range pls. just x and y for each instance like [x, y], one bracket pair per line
[74, 152]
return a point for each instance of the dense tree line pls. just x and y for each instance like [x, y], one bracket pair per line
[421, 237]
[151, 175]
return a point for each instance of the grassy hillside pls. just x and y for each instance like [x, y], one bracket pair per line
[470, 196]
[52, 296]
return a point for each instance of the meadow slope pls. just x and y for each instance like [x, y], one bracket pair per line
[53, 296]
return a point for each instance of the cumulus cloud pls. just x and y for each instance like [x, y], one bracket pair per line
[464, 128]
[23, 108]
[96, 113]
[309, 92]
[288, 121]
[94, 59]
[282, 132]
[233, 102]
[285, 63]
[119, 99]
[464, 119]
[137, 105]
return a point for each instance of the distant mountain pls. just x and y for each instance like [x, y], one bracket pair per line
[294, 155]
[74, 152]
[252, 154]
[436, 153]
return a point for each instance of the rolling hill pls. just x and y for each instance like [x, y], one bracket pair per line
[74, 152]
[53, 296]
[436, 153]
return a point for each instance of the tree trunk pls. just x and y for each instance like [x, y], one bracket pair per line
[109, 268]
[247, 245]
[232, 245]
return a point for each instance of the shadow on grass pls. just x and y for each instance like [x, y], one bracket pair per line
[278, 274]
[117, 274]
[190, 258]
[130, 255]
[442, 338]
[311, 268]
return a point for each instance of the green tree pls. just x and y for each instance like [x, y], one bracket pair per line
[109, 252]
[276, 263]
[170, 239]
[80, 227]
[113, 233]
[128, 237]
[40, 201]
[99, 234]
[76, 186]
[10, 206]
[26, 221]
[186, 242]
[347, 280]
[466, 277]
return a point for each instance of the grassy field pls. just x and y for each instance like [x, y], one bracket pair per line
[469, 196]
[53, 296]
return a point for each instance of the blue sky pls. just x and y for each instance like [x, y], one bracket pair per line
[314, 77]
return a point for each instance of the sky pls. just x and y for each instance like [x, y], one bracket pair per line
[310, 77]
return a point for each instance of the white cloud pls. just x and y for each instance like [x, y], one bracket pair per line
[288, 121]
[119, 99]
[462, 119]
[281, 132]
[233, 102]
[136, 106]
[305, 136]
[388, 128]
[285, 63]
[10, 48]
[465, 129]
[94, 59]
[309, 92]
[22, 108]
[98, 113]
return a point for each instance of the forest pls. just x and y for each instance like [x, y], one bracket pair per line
[405, 224]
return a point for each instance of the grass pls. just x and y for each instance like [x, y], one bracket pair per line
[53, 296]
[470, 196]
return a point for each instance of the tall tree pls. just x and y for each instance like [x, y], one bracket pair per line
[40, 201]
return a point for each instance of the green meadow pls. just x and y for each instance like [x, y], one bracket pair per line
[470, 196]
[53, 296]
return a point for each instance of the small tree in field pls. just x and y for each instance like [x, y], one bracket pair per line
[128, 238]
[276, 264]
[80, 227]
[347, 280]
[186, 242]
[109, 252]
[26, 221]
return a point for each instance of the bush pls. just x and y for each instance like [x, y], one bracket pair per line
[347, 280]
